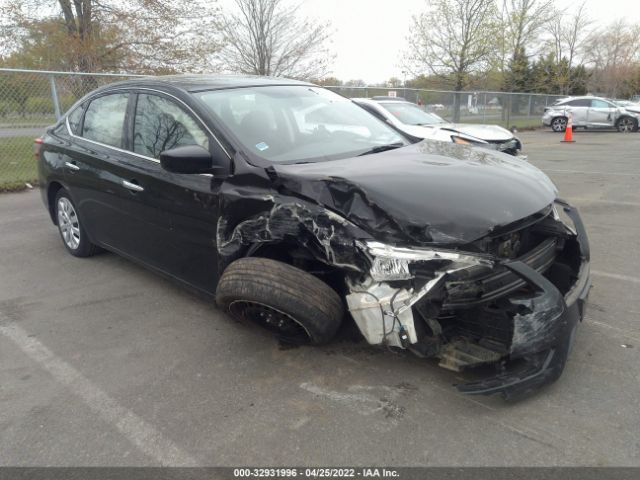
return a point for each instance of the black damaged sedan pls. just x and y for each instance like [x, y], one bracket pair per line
[300, 211]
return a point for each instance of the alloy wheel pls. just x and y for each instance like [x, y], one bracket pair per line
[68, 223]
[559, 124]
[626, 125]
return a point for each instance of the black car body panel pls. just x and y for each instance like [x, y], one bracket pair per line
[493, 275]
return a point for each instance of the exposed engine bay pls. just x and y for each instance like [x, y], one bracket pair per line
[506, 301]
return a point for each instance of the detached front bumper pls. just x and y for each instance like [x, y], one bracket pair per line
[544, 336]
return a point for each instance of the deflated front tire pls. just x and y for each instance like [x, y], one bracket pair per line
[296, 306]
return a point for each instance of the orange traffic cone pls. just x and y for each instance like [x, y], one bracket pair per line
[568, 132]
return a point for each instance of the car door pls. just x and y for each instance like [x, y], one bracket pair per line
[601, 113]
[170, 218]
[92, 164]
[579, 110]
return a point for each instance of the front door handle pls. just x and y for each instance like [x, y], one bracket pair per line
[72, 166]
[132, 186]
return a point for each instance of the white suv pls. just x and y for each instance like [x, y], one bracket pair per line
[590, 112]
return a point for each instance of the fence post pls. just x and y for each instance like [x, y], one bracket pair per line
[54, 97]
[484, 107]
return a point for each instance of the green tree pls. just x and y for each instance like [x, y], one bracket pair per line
[517, 78]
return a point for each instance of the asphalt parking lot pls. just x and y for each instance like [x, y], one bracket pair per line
[104, 363]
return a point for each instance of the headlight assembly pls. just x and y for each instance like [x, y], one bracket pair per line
[474, 143]
[394, 263]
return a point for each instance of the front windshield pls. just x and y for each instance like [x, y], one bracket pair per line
[411, 114]
[296, 124]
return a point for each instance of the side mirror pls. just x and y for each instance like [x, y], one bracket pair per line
[193, 159]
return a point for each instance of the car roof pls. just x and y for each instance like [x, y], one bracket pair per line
[375, 100]
[203, 82]
[583, 97]
[378, 98]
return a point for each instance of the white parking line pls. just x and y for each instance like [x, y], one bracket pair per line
[143, 435]
[615, 276]
[592, 173]
[589, 201]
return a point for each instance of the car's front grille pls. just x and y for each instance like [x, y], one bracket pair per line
[485, 287]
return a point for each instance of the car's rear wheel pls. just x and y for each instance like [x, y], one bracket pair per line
[627, 124]
[559, 124]
[74, 237]
[296, 306]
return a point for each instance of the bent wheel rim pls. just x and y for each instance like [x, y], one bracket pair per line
[285, 326]
[68, 223]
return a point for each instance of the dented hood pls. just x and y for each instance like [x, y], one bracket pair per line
[430, 192]
[488, 133]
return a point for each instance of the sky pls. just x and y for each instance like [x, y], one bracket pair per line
[369, 35]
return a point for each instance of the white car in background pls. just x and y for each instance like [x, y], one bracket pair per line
[413, 120]
[591, 112]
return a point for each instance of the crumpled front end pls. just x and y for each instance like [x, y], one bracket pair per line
[512, 300]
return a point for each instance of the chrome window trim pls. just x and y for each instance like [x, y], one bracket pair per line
[129, 89]
[109, 146]
[129, 152]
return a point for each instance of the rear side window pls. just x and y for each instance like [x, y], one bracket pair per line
[582, 102]
[600, 104]
[104, 120]
[161, 125]
[74, 120]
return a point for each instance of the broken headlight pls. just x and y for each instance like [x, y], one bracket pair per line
[468, 141]
[390, 263]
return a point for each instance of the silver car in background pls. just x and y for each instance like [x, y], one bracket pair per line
[591, 112]
[411, 119]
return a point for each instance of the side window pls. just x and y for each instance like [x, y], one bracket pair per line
[74, 119]
[600, 104]
[104, 119]
[582, 102]
[160, 125]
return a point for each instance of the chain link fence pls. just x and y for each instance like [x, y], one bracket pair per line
[519, 110]
[31, 100]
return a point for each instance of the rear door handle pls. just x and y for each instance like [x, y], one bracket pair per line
[132, 186]
[72, 166]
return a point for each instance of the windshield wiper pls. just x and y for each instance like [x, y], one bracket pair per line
[383, 148]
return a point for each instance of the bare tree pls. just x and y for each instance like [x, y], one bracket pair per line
[453, 39]
[522, 23]
[568, 34]
[614, 54]
[269, 37]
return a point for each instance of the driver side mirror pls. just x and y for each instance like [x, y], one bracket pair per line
[194, 159]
